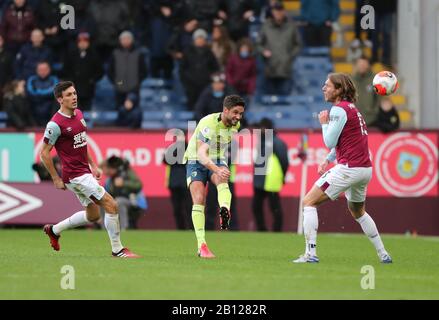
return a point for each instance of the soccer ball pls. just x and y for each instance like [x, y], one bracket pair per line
[385, 83]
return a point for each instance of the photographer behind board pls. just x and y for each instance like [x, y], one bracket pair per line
[125, 186]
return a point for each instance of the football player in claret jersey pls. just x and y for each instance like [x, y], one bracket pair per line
[206, 162]
[67, 132]
[345, 133]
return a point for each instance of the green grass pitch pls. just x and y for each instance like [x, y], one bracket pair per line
[248, 266]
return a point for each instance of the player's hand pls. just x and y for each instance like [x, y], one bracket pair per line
[97, 173]
[267, 53]
[322, 167]
[248, 14]
[222, 14]
[223, 173]
[166, 11]
[324, 117]
[118, 182]
[59, 184]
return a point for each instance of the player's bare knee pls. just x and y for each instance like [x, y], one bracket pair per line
[111, 206]
[308, 202]
[198, 200]
[93, 217]
[221, 181]
[356, 209]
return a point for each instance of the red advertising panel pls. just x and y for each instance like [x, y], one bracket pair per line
[405, 163]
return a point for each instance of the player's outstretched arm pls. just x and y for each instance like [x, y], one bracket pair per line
[47, 160]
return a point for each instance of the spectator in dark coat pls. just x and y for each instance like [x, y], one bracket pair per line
[3, 6]
[84, 22]
[130, 114]
[6, 69]
[40, 91]
[164, 16]
[17, 106]
[176, 182]
[270, 170]
[212, 97]
[16, 25]
[112, 17]
[197, 65]
[30, 54]
[205, 12]
[127, 68]
[387, 119]
[237, 15]
[48, 19]
[181, 39]
[319, 15]
[83, 66]
[385, 19]
[279, 43]
[241, 69]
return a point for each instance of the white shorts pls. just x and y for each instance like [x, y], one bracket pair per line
[84, 187]
[341, 178]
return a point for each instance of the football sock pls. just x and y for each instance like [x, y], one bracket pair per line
[198, 220]
[76, 220]
[113, 228]
[370, 230]
[224, 195]
[310, 226]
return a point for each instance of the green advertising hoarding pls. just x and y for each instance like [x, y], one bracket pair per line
[16, 157]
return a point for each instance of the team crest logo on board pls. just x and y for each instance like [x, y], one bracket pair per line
[407, 164]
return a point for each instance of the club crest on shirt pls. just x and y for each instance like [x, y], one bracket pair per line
[83, 123]
[206, 130]
[69, 129]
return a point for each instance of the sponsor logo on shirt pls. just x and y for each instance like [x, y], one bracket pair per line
[80, 140]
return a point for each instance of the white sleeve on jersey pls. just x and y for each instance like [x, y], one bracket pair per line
[52, 132]
[332, 130]
[331, 155]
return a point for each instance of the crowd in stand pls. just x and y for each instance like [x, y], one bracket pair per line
[207, 41]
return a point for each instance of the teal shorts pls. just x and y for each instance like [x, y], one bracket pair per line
[195, 171]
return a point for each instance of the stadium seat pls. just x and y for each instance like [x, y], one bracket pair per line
[287, 100]
[312, 64]
[156, 83]
[316, 51]
[157, 115]
[292, 123]
[104, 98]
[184, 115]
[3, 119]
[152, 125]
[100, 118]
[180, 124]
